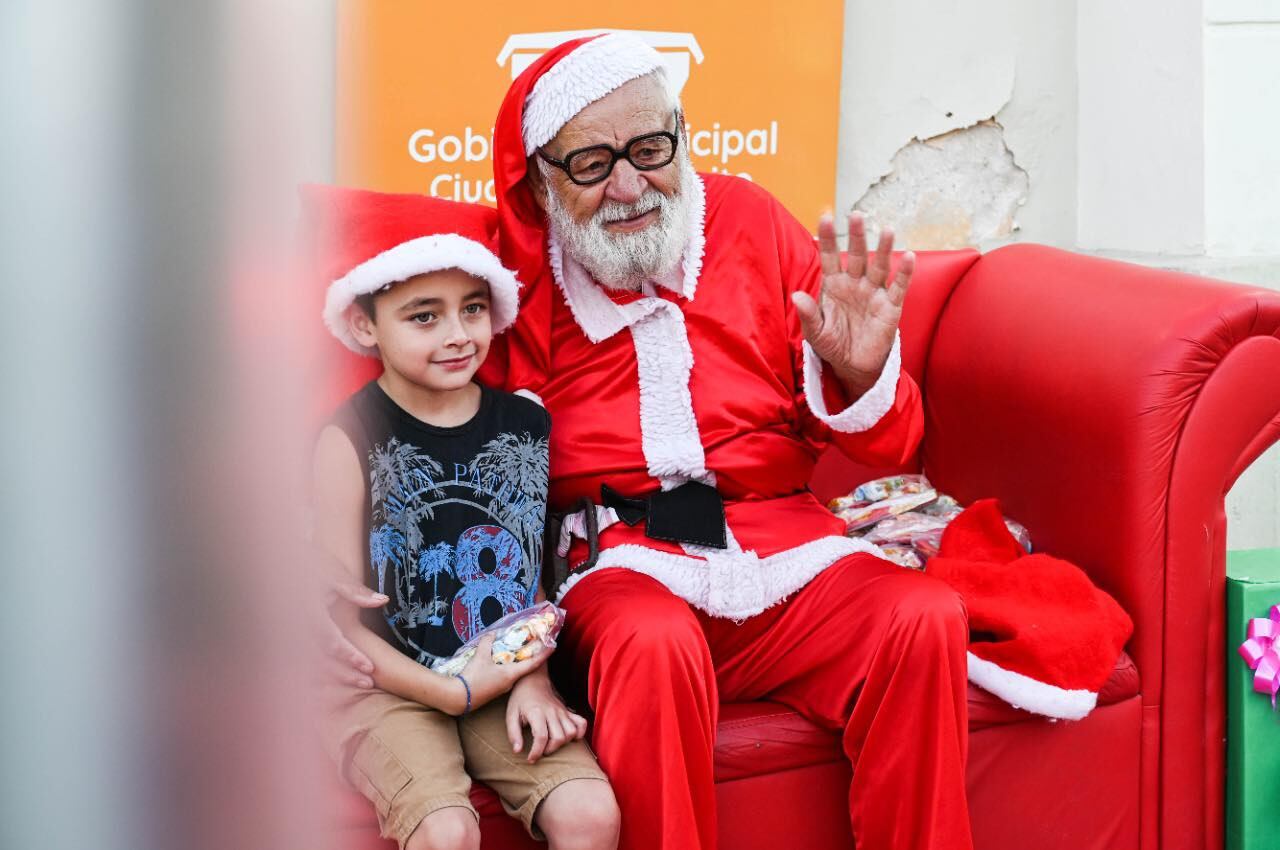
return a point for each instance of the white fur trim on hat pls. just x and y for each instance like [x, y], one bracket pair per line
[1023, 692]
[433, 253]
[582, 77]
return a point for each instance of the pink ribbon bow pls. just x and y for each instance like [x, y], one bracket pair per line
[1262, 653]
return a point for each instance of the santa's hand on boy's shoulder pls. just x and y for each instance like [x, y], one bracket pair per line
[534, 703]
[489, 680]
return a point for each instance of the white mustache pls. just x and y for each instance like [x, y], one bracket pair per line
[618, 211]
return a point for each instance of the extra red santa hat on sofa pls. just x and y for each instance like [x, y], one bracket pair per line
[547, 95]
[373, 239]
[1043, 637]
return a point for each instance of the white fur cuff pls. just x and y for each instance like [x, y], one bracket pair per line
[864, 413]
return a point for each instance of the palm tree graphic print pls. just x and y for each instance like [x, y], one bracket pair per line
[491, 566]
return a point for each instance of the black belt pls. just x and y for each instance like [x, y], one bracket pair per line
[690, 513]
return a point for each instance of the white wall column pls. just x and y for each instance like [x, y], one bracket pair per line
[1141, 126]
[1242, 128]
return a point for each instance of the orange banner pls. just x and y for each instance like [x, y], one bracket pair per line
[419, 84]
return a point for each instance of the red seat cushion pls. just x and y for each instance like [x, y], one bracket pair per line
[766, 737]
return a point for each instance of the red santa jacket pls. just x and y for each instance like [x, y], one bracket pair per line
[705, 376]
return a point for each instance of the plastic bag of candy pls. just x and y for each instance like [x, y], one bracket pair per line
[884, 497]
[943, 507]
[927, 543]
[903, 556]
[880, 489]
[905, 516]
[1019, 532]
[516, 638]
[904, 528]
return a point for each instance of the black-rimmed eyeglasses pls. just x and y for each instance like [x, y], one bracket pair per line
[586, 166]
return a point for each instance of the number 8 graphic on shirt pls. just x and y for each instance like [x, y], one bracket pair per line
[479, 585]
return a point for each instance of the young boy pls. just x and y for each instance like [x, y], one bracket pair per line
[432, 489]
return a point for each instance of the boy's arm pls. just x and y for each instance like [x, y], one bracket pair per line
[339, 505]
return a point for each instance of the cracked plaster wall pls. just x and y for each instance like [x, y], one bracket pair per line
[957, 120]
[951, 191]
[1104, 166]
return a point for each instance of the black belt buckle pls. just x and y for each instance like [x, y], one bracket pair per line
[690, 513]
[630, 511]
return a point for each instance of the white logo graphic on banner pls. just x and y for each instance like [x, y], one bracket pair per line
[677, 48]
[681, 52]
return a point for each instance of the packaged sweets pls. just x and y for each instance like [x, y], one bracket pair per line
[903, 556]
[884, 497]
[905, 516]
[927, 545]
[944, 506]
[904, 528]
[858, 518]
[1019, 533]
[516, 638]
[892, 487]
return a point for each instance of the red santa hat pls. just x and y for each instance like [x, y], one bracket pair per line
[374, 239]
[588, 70]
[547, 95]
[1043, 637]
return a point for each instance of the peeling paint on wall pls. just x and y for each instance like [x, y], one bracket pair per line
[918, 69]
[953, 190]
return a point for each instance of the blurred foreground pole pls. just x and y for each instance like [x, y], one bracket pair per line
[156, 686]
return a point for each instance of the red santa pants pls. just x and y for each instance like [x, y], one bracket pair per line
[869, 649]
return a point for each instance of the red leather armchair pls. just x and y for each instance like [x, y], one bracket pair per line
[1110, 407]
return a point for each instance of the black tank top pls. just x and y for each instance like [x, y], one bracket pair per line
[456, 516]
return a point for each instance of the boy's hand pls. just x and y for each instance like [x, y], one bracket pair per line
[490, 680]
[534, 703]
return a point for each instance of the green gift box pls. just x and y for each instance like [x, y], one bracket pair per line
[1253, 728]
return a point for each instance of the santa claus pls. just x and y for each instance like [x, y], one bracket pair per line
[697, 350]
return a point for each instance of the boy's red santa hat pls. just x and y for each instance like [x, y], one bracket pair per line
[547, 95]
[371, 240]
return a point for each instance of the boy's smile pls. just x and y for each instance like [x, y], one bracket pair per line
[456, 363]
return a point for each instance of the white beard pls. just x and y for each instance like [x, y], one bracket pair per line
[627, 260]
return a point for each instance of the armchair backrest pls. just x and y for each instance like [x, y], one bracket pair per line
[1110, 407]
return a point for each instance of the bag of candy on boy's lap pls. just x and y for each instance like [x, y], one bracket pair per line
[517, 637]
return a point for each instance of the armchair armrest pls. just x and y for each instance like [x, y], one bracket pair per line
[1110, 407]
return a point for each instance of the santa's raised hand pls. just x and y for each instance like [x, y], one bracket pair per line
[852, 326]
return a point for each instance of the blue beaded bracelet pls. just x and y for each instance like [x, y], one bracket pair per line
[466, 710]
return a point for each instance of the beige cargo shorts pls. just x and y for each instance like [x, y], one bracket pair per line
[411, 761]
